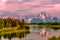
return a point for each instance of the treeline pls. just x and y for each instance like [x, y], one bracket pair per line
[51, 23]
[11, 22]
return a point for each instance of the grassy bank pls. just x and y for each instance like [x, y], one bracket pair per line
[9, 30]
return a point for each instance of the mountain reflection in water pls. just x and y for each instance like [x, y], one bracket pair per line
[33, 34]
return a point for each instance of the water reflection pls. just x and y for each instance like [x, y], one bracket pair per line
[33, 34]
[14, 35]
[47, 32]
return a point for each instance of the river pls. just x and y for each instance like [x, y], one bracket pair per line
[35, 34]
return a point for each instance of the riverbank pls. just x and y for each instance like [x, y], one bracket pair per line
[9, 30]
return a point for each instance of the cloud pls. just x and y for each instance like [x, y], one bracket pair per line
[3, 1]
[33, 7]
[46, 1]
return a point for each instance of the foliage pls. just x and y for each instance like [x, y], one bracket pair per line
[11, 22]
[54, 38]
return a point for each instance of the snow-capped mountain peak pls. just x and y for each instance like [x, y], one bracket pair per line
[44, 15]
[41, 17]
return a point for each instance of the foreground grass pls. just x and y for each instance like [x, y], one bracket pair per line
[9, 30]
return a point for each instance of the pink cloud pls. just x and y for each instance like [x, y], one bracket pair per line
[35, 7]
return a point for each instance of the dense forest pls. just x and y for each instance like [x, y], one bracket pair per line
[12, 22]
[9, 22]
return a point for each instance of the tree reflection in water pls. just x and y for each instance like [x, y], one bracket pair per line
[13, 35]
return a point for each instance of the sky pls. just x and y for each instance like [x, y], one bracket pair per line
[30, 7]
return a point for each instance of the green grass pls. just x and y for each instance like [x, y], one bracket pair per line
[46, 25]
[9, 30]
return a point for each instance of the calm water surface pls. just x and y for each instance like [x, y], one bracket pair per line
[34, 34]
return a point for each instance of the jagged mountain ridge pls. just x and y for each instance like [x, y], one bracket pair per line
[43, 17]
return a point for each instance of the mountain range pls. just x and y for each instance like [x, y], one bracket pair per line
[39, 18]
[43, 17]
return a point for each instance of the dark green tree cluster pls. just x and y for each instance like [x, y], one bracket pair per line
[11, 22]
[54, 38]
